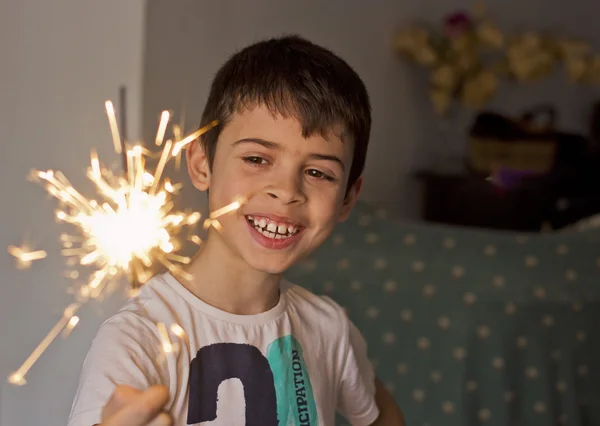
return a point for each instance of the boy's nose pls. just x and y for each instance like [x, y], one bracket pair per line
[288, 191]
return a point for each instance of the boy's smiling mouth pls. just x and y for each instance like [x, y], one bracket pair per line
[273, 232]
[272, 228]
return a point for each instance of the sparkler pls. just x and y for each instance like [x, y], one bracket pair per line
[128, 227]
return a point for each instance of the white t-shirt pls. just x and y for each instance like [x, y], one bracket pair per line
[292, 365]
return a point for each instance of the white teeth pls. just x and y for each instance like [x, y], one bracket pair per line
[272, 229]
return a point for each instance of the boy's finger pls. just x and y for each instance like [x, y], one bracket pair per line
[163, 419]
[144, 409]
[121, 396]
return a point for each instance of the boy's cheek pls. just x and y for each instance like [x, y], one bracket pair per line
[226, 187]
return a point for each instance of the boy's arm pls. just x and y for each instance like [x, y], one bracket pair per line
[124, 352]
[357, 383]
[364, 400]
[389, 413]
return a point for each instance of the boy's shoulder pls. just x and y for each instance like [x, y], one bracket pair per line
[322, 307]
[140, 314]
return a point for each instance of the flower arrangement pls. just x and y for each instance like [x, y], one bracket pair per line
[468, 56]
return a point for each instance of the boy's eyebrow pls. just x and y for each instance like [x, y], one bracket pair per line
[263, 142]
[274, 145]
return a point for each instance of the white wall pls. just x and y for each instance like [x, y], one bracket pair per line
[59, 61]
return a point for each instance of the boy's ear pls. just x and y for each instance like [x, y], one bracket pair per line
[351, 199]
[197, 164]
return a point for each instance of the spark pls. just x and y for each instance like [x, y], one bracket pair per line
[24, 256]
[18, 377]
[212, 220]
[177, 133]
[162, 128]
[172, 188]
[226, 209]
[214, 223]
[167, 346]
[70, 326]
[178, 331]
[123, 231]
[114, 128]
[192, 137]
[196, 239]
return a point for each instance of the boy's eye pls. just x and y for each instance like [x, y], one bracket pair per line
[317, 174]
[255, 160]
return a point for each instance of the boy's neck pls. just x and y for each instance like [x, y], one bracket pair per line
[228, 283]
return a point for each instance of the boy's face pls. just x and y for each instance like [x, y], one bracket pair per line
[295, 187]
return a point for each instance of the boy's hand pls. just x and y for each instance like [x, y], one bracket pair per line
[131, 407]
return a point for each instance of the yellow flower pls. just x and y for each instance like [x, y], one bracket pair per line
[577, 69]
[532, 67]
[466, 61]
[415, 44]
[490, 35]
[444, 77]
[409, 39]
[593, 71]
[572, 49]
[530, 58]
[426, 56]
[463, 43]
[477, 90]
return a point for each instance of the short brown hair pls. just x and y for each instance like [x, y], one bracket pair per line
[294, 77]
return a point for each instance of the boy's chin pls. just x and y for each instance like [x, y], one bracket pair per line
[273, 268]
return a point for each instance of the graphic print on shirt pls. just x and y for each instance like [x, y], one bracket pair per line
[222, 361]
[276, 388]
[295, 399]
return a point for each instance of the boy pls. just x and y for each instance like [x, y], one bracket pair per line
[294, 123]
